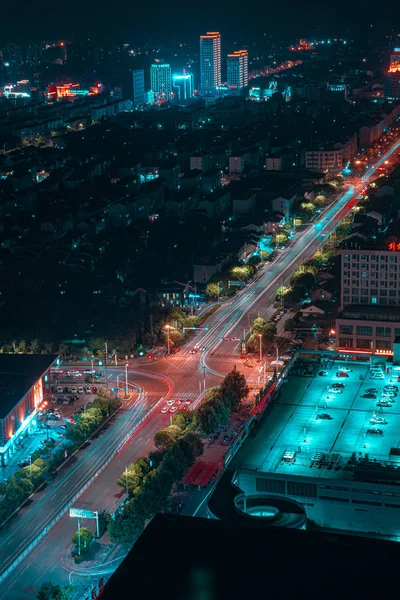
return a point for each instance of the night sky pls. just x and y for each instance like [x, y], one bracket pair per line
[161, 20]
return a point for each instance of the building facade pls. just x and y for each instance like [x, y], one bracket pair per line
[238, 70]
[24, 384]
[210, 62]
[328, 161]
[183, 86]
[161, 81]
[370, 299]
[139, 96]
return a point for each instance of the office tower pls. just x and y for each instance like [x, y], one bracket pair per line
[183, 86]
[392, 78]
[210, 62]
[160, 81]
[138, 88]
[238, 69]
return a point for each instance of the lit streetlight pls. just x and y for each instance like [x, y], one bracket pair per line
[260, 337]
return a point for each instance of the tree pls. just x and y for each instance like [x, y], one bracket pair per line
[48, 348]
[307, 208]
[126, 526]
[51, 591]
[263, 254]
[167, 437]
[86, 538]
[254, 260]
[21, 348]
[34, 346]
[212, 290]
[234, 388]
[106, 402]
[63, 350]
[194, 441]
[180, 419]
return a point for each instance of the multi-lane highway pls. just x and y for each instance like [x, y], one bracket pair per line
[182, 375]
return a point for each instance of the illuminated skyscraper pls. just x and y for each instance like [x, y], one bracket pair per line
[161, 81]
[238, 69]
[392, 79]
[183, 86]
[210, 62]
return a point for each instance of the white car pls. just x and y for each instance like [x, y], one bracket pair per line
[74, 390]
[164, 409]
[173, 409]
[88, 390]
[170, 402]
[59, 390]
[81, 390]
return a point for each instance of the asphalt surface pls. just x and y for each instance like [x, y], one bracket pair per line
[178, 376]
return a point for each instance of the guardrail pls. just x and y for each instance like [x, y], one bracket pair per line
[43, 533]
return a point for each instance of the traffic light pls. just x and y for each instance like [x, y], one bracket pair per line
[206, 328]
[150, 356]
[100, 363]
[141, 353]
[151, 464]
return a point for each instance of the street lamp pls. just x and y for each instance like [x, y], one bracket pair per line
[126, 380]
[260, 336]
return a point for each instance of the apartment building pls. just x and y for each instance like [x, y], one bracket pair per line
[370, 299]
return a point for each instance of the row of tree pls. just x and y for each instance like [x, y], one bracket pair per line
[149, 487]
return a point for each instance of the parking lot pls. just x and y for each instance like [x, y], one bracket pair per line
[310, 420]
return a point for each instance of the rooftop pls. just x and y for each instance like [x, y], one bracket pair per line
[219, 559]
[18, 373]
[291, 424]
[370, 312]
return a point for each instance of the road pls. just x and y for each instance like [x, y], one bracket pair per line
[182, 375]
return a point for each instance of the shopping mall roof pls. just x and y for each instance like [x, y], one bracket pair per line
[18, 373]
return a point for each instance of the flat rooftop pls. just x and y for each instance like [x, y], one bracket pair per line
[291, 424]
[18, 373]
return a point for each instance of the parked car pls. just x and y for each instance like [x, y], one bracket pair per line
[370, 396]
[375, 431]
[170, 402]
[342, 374]
[372, 391]
[385, 403]
[323, 373]
[173, 409]
[334, 390]
[378, 421]
[94, 390]
[165, 409]
[74, 390]
[81, 390]
[324, 416]
[59, 389]
[338, 385]
[88, 390]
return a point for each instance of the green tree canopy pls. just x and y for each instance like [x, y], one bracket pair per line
[86, 537]
[212, 290]
[51, 591]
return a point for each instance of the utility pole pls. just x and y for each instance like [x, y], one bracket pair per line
[204, 377]
[79, 537]
[117, 394]
[126, 479]
[260, 336]
[105, 364]
[126, 380]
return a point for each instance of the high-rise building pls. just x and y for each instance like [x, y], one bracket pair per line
[392, 79]
[183, 86]
[161, 81]
[210, 62]
[138, 88]
[238, 69]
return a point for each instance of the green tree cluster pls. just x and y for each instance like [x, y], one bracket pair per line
[218, 404]
[153, 493]
[51, 591]
[264, 328]
[19, 486]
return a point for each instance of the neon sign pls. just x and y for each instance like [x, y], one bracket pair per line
[394, 246]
